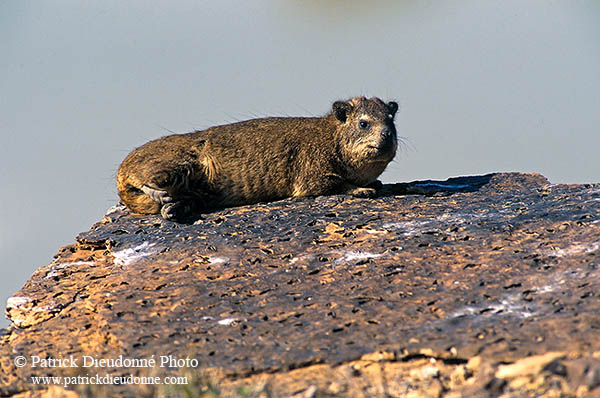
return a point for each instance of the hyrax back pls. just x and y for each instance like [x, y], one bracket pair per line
[262, 160]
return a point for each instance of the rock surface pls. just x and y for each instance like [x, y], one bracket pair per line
[475, 286]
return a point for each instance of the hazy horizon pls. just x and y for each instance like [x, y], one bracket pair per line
[483, 86]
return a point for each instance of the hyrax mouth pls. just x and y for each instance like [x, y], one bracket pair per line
[381, 153]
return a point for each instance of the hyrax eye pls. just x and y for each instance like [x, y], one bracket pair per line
[363, 124]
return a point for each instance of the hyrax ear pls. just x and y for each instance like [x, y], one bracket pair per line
[392, 107]
[341, 110]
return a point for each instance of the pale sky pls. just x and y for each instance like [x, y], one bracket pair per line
[483, 86]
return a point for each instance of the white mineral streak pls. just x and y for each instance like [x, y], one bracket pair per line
[128, 256]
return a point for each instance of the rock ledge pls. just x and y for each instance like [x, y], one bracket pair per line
[474, 286]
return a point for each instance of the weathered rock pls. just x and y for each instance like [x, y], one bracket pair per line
[435, 288]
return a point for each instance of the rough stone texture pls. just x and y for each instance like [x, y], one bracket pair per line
[475, 286]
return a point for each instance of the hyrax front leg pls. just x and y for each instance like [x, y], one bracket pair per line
[370, 191]
[333, 184]
[360, 192]
[377, 185]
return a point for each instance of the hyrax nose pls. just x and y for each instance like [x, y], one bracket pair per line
[386, 133]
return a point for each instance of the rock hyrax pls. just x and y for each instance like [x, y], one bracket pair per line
[262, 160]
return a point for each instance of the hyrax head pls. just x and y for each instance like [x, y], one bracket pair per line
[366, 131]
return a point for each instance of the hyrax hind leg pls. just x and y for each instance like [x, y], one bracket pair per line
[171, 189]
[160, 197]
[162, 189]
[168, 208]
[177, 210]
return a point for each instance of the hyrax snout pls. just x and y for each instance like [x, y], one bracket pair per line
[262, 160]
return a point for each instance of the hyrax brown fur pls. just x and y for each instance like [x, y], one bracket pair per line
[262, 160]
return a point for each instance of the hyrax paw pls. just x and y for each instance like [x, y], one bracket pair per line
[363, 192]
[157, 195]
[175, 210]
[169, 211]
